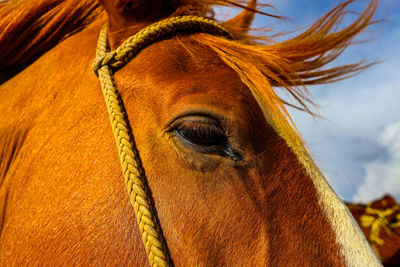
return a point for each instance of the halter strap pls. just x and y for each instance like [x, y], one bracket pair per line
[104, 65]
[133, 45]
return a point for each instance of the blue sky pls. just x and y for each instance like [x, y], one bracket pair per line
[357, 142]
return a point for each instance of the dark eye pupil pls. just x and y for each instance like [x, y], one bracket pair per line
[202, 137]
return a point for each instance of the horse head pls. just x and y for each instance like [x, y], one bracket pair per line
[230, 179]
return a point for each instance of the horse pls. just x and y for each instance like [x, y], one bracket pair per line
[380, 222]
[230, 179]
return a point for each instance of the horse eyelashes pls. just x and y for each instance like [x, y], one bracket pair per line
[204, 135]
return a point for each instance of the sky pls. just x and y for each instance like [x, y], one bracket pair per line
[356, 143]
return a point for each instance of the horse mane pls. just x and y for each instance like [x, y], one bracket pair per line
[29, 28]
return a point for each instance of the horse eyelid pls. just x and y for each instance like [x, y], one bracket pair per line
[225, 150]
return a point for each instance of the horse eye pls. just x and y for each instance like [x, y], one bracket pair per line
[204, 135]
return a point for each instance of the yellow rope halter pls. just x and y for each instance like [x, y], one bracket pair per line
[104, 65]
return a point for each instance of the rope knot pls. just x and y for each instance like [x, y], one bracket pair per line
[104, 60]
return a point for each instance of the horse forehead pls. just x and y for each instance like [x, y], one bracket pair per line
[180, 69]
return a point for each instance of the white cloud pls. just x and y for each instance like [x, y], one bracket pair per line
[383, 176]
[391, 139]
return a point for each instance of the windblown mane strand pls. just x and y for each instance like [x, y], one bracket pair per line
[292, 65]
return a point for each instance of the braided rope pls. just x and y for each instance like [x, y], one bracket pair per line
[105, 63]
[134, 44]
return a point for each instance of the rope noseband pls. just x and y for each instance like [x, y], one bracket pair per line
[107, 62]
